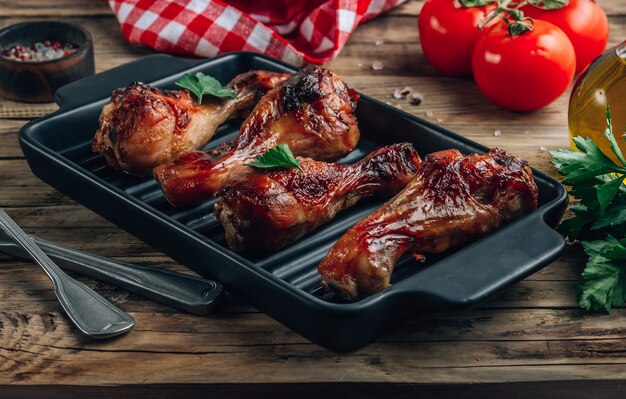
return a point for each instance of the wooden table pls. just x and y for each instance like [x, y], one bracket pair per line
[530, 341]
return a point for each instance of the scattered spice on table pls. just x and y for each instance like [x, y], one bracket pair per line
[416, 98]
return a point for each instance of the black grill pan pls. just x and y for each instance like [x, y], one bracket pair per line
[285, 284]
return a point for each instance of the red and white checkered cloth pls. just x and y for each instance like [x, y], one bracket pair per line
[296, 31]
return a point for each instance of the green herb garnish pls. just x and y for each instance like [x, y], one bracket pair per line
[604, 277]
[279, 157]
[201, 84]
[599, 217]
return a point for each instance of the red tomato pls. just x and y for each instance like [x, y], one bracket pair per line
[584, 22]
[524, 72]
[448, 34]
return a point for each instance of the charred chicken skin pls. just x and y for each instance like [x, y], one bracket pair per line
[143, 126]
[452, 199]
[272, 208]
[312, 112]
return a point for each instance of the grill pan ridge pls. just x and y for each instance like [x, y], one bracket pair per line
[285, 284]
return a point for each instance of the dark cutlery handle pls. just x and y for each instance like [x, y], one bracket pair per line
[100, 86]
[482, 270]
[191, 294]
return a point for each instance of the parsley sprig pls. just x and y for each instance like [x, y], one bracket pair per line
[599, 217]
[201, 84]
[279, 157]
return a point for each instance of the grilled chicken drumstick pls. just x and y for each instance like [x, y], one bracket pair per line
[143, 126]
[452, 199]
[271, 208]
[312, 112]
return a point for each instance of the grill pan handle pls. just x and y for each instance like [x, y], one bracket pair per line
[482, 270]
[99, 86]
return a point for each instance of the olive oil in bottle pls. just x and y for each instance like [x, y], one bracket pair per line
[602, 84]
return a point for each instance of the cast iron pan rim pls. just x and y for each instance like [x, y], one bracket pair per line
[68, 25]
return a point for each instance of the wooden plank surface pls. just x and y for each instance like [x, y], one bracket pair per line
[531, 340]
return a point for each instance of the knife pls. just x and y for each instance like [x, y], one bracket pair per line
[181, 291]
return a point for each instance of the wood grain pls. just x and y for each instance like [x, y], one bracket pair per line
[531, 341]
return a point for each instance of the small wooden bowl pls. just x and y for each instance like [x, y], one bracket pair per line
[36, 81]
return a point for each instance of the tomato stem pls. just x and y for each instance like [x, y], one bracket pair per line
[516, 22]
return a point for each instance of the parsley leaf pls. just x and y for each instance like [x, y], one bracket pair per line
[580, 166]
[595, 179]
[608, 133]
[607, 191]
[574, 228]
[602, 286]
[599, 216]
[604, 277]
[201, 84]
[279, 157]
[614, 216]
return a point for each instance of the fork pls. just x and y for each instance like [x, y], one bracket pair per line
[93, 315]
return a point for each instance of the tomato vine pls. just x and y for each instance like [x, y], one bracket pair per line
[510, 12]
